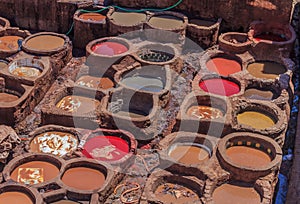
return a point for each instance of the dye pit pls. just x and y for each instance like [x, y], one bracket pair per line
[83, 120]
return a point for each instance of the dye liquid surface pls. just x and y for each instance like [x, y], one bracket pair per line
[248, 156]
[229, 194]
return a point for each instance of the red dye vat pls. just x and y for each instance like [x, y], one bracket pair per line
[106, 148]
[109, 48]
[223, 66]
[220, 87]
[270, 37]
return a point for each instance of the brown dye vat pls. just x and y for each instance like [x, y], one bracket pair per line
[204, 112]
[266, 70]
[256, 120]
[9, 43]
[167, 22]
[93, 179]
[95, 82]
[127, 18]
[235, 193]
[34, 172]
[14, 197]
[78, 104]
[8, 97]
[92, 16]
[175, 193]
[257, 94]
[189, 154]
[26, 71]
[54, 142]
[248, 156]
[45, 42]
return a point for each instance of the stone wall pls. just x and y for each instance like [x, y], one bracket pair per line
[236, 14]
[56, 15]
[41, 15]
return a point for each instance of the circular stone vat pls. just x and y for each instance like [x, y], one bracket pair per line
[104, 52]
[235, 42]
[203, 107]
[95, 82]
[237, 192]
[33, 169]
[256, 119]
[275, 32]
[172, 189]
[94, 175]
[266, 69]
[19, 194]
[224, 65]
[10, 43]
[45, 43]
[91, 16]
[106, 148]
[219, 86]
[78, 104]
[53, 141]
[156, 54]
[27, 67]
[190, 153]
[250, 154]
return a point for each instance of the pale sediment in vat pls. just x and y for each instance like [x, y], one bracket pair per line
[33, 169]
[163, 186]
[95, 82]
[73, 105]
[204, 114]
